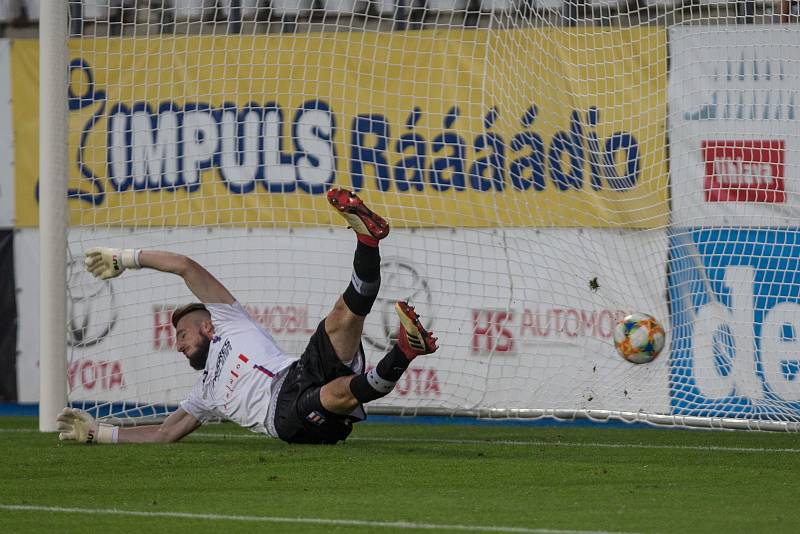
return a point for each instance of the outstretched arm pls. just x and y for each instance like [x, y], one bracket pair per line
[77, 425]
[179, 424]
[199, 281]
[109, 262]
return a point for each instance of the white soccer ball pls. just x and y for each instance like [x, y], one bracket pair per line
[639, 338]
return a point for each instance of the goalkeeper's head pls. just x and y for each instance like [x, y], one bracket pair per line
[193, 333]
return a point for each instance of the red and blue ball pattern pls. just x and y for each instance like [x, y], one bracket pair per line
[639, 338]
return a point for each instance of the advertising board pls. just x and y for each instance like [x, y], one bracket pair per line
[734, 281]
[735, 296]
[201, 142]
[518, 323]
[734, 127]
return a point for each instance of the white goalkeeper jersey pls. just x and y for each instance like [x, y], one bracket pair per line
[243, 373]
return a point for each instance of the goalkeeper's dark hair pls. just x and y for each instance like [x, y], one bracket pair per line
[184, 310]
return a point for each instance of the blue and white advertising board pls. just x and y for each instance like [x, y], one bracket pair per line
[734, 268]
[735, 297]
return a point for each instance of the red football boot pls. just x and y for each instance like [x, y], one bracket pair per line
[360, 218]
[413, 339]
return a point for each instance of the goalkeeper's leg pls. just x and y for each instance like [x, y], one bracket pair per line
[321, 397]
[342, 395]
[345, 323]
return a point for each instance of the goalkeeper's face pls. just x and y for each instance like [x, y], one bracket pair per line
[193, 339]
[197, 359]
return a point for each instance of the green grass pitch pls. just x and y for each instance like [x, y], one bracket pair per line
[405, 478]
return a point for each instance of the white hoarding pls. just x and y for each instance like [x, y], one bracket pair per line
[6, 138]
[518, 324]
[734, 279]
[734, 120]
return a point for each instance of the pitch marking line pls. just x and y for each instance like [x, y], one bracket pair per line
[294, 520]
[713, 448]
[702, 448]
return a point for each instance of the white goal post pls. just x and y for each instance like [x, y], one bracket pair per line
[53, 210]
[547, 168]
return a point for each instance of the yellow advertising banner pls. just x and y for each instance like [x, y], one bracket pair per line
[465, 128]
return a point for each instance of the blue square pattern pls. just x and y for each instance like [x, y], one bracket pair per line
[735, 316]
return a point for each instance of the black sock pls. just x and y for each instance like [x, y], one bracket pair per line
[367, 262]
[393, 365]
[380, 381]
[360, 295]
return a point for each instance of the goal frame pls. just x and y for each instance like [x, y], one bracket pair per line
[53, 224]
[53, 212]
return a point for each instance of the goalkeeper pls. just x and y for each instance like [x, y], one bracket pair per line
[246, 377]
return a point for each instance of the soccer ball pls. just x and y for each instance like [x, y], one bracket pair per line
[639, 338]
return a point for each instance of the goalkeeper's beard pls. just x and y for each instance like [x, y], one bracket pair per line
[198, 360]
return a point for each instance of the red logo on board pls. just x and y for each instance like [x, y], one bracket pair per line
[744, 171]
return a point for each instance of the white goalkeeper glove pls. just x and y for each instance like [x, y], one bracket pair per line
[107, 263]
[77, 425]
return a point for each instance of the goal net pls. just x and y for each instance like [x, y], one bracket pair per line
[547, 168]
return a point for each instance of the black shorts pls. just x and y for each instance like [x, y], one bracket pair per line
[316, 367]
